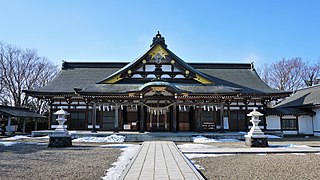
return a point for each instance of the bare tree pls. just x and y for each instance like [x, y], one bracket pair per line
[285, 74]
[312, 76]
[22, 69]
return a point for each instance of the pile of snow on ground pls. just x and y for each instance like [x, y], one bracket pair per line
[11, 143]
[272, 136]
[194, 146]
[288, 146]
[192, 156]
[202, 139]
[8, 143]
[112, 138]
[17, 137]
[118, 167]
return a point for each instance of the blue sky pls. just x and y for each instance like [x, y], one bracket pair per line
[197, 31]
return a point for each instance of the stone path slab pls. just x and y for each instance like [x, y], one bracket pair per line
[160, 160]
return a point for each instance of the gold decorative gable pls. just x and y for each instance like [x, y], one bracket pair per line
[158, 49]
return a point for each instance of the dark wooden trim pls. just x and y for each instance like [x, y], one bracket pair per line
[141, 115]
[174, 118]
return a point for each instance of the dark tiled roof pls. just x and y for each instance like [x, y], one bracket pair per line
[86, 75]
[309, 96]
[289, 111]
[244, 78]
[70, 78]
[18, 112]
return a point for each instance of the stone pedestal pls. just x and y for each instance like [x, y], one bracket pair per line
[60, 141]
[256, 142]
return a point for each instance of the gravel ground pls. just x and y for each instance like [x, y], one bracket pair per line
[271, 166]
[30, 161]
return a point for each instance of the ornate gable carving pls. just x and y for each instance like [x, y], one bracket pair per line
[158, 64]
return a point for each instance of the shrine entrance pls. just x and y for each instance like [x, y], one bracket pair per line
[158, 121]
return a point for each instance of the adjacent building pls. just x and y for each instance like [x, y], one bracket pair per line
[298, 114]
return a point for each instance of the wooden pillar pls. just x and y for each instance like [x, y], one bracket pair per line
[9, 125]
[174, 118]
[36, 125]
[221, 117]
[50, 114]
[199, 120]
[246, 102]
[125, 115]
[94, 117]
[24, 126]
[264, 106]
[86, 117]
[68, 100]
[141, 119]
[116, 118]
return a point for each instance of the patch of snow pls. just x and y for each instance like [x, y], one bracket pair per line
[192, 156]
[111, 138]
[202, 139]
[118, 145]
[194, 146]
[288, 146]
[42, 137]
[123, 160]
[71, 132]
[272, 136]
[241, 132]
[317, 153]
[8, 143]
[14, 138]
[298, 154]
[11, 143]
[264, 154]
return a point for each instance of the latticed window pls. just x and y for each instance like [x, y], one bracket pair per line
[289, 124]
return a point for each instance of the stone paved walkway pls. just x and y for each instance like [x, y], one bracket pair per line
[160, 160]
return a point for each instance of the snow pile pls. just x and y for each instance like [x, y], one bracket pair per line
[202, 139]
[17, 137]
[272, 136]
[42, 137]
[121, 146]
[11, 143]
[125, 158]
[192, 156]
[112, 138]
[288, 146]
[8, 143]
[194, 146]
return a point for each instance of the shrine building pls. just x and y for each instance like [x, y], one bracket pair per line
[157, 92]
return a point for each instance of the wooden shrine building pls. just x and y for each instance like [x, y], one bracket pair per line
[157, 92]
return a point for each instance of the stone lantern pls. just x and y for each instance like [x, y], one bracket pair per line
[255, 137]
[60, 137]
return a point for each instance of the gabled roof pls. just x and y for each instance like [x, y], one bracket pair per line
[18, 112]
[309, 96]
[159, 50]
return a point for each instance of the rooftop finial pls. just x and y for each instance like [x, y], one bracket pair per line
[158, 39]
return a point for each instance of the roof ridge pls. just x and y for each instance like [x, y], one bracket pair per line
[308, 87]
